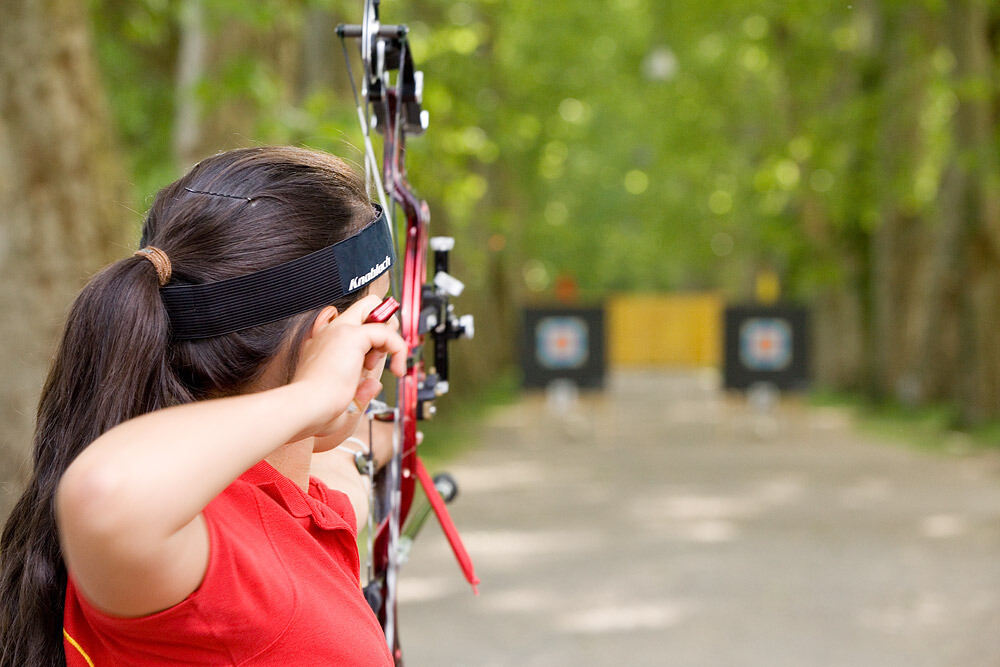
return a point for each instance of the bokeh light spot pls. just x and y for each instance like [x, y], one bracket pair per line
[722, 244]
[556, 213]
[754, 59]
[572, 110]
[497, 242]
[720, 202]
[636, 182]
[755, 27]
[786, 172]
[536, 276]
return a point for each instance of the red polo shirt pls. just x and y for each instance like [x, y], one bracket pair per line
[282, 588]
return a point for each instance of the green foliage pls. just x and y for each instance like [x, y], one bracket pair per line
[933, 428]
[630, 144]
[135, 42]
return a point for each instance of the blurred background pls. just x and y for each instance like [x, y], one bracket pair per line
[656, 162]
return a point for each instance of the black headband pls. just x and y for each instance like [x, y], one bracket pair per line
[317, 279]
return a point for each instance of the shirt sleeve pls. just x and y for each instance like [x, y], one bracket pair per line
[224, 619]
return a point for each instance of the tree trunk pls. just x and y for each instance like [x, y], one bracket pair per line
[897, 243]
[975, 153]
[62, 198]
[837, 339]
[933, 364]
[191, 60]
[322, 56]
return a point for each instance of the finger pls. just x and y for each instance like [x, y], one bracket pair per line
[397, 348]
[383, 339]
[374, 360]
[397, 364]
[359, 311]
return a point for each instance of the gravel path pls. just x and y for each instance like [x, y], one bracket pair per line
[663, 524]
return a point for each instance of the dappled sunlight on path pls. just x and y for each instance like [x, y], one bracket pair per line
[663, 523]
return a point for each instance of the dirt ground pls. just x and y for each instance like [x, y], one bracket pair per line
[661, 523]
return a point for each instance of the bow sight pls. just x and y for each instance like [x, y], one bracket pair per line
[439, 320]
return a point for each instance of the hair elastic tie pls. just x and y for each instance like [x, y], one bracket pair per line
[159, 260]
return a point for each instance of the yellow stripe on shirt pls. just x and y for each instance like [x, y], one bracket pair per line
[78, 648]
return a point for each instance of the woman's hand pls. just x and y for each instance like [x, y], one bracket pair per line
[340, 363]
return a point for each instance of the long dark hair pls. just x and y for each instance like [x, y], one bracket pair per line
[116, 359]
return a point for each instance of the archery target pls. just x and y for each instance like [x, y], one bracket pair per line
[766, 344]
[562, 343]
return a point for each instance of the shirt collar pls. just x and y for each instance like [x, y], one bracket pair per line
[289, 495]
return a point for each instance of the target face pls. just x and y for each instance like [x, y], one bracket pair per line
[562, 342]
[766, 344]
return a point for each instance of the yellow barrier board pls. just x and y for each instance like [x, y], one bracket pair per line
[665, 329]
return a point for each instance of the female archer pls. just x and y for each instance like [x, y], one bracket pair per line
[188, 503]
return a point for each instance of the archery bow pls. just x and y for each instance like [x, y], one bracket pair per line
[426, 313]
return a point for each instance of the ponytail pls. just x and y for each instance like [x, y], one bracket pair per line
[111, 366]
[117, 361]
